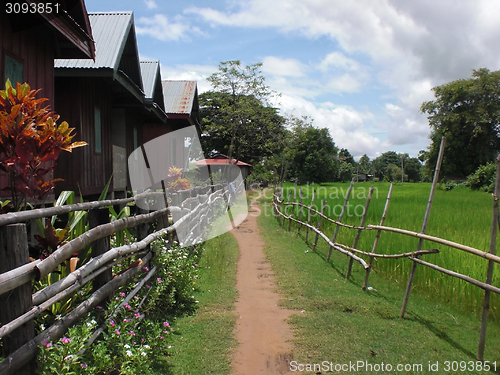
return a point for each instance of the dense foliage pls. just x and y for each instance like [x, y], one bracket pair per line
[467, 112]
[30, 142]
[135, 337]
[237, 117]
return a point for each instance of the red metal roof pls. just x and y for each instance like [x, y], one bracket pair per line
[221, 162]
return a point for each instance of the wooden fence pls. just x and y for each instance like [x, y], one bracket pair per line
[282, 211]
[18, 306]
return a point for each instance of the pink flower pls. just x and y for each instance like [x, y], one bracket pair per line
[127, 306]
[148, 286]
[126, 320]
[131, 333]
[137, 315]
[98, 307]
[47, 344]
[112, 323]
[65, 340]
[122, 294]
[117, 332]
[170, 276]
[166, 324]
[83, 365]
[158, 279]
[161, 337]
[146, 269]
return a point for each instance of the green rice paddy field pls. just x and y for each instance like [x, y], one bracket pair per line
[458, 215]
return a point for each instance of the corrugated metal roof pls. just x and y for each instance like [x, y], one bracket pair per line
[179, 96]
[149, 72]
[110, 32]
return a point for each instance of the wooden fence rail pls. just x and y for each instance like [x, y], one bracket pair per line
[197, 205]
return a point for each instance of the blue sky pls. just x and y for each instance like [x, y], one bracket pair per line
[361, 68]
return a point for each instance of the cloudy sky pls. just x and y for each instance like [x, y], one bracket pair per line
[361, 68]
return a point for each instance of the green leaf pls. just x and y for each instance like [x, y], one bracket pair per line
[105, 191]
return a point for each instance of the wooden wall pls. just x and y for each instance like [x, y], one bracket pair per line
[75, 101]
[33, 46]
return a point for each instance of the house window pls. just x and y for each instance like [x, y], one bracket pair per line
[97, 130]
[13, 70]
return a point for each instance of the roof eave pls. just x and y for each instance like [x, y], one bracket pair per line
[74, 33]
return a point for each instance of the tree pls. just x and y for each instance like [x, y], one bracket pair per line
[365, 164]
[312, 152]
[346, 157]
[381, 163]
[345, 171]
[467, 112]
[412, 167]
[259, 131]
[237, 118]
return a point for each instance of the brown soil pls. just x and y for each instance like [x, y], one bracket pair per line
[263, 336]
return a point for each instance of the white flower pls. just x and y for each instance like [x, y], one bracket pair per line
[143, 354]
[146, 346]
[129, 353]
[126, 346]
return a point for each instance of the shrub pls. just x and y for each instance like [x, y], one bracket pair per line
[30, 140]
[483, 178]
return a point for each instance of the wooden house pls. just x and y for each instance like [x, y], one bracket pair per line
[29, 43]
[105, 101]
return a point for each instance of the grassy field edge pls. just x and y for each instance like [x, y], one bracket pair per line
[340, 324]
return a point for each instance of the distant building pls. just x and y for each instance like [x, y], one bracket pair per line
[362, 176]
[218, 162]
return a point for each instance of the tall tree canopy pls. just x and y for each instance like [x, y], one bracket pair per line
[312, 152]
[237, 118]
[467, 112]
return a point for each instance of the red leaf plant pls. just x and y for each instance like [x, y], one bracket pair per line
[175, 182]
[30, 142]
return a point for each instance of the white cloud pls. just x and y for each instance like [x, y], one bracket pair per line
[337, 60]
[400, 48]
[282, 67]
[150, 4]
[345, 124]
[159, 27]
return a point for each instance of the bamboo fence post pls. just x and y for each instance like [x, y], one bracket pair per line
[489, 274]
[334, 237]
[98, 217]
[424, 225]
[375, 243]
[358, 233]
[309, 215]
[295, 192]
[293, 208]
[14, 253]
[285, 208]
[319, 225]
[300, 210]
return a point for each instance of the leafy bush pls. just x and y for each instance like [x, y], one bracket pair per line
[30, 140]
[483, 178]
[135, 338]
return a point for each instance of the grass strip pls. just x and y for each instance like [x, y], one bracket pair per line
[339, 323]
[203, 343]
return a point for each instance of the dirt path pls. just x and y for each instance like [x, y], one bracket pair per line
[263, 336]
